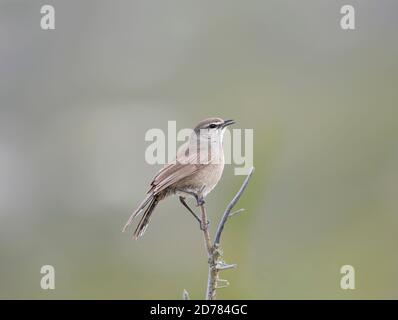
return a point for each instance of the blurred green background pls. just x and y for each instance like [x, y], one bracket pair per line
[75, 104]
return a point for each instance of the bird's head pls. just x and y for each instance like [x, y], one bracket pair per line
[212, 128]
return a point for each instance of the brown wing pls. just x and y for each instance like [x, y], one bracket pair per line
[176, 171]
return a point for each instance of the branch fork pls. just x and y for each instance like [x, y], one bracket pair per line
[214, 252]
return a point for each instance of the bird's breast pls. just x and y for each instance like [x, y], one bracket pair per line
[206, 178]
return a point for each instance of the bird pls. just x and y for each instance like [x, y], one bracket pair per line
[195, 172]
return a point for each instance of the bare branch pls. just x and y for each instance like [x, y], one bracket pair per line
[205, 228]
[216, 264]
[223, 266]
[231, 205]
[221, 283]
[236, 212]
[185, 295]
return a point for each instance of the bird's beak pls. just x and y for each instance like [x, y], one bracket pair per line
[227, 123]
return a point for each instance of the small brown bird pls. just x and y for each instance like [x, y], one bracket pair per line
[195, 172]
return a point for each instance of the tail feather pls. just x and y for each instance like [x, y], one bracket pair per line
[141, 207]
[146, 217]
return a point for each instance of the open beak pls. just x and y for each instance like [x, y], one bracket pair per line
[227, 123]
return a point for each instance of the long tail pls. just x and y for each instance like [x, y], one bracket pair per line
[146, 217]
[141, 207]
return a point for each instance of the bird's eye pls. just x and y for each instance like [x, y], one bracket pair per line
[212, 126]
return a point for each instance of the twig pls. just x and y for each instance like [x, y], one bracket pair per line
[216, 264]
[185, 295]
[231, 205]
[236, 212]
[205, 229]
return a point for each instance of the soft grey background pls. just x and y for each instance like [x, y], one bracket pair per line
[75, 104]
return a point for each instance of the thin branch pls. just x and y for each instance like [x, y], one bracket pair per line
[223, 266]
[231, 205]
[205, 228]
[236, 212]
[210, 253]
[216, 264]
[185, 295]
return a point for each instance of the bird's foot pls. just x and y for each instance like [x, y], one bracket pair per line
[200, 202]
[199, 197]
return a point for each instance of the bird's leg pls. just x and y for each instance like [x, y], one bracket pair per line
[182, 200]
[199, 196]
[200, 202]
